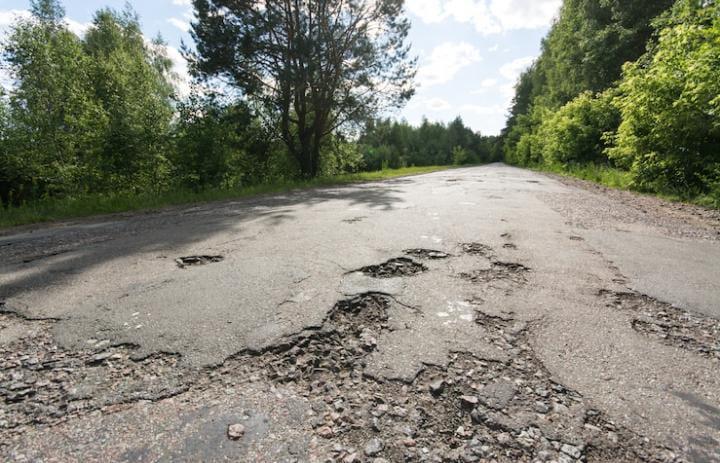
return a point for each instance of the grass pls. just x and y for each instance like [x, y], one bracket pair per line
[621, 179]
[49, 210]
[604, 175]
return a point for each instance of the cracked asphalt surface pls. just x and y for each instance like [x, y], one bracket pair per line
[487, 314]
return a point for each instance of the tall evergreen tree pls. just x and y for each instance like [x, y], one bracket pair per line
[312, 66]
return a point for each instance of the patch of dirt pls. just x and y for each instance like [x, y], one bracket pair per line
[668, 324]
[397, 267]
[193, 261]
[603, 207]
[427, 254]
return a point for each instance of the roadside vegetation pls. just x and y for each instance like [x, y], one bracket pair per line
[96, 124]
[628, 94]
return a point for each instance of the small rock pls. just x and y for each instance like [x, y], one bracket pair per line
[541, 407]
[325, 432]
[236, 431]
[374, 447]
[468, 401]
[571, 450]
[436, 387]
[504, 438]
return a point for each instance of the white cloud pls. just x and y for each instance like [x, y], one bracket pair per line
[437, 104]
[76, 27]
[513, 69]
[180, 24]
[8, 17]
[180, 67]
[445, 62]
[488, 16]
[182, 2]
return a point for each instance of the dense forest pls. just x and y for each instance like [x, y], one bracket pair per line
[99, 114]
[631, 85]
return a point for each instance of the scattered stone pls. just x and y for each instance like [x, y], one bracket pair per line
[236, 431]
[469, 401]
[668, 324]
[374, 447]
[571, 450]
[325, 432]
[437, 386]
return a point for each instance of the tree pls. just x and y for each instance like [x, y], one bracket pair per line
[131, 82]
[311, 66]
[56, 124]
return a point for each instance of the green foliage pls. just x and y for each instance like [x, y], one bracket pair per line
[221, 145]
[578, 133]
[130, 82]
[593, 98]
[56, 126]
[398, 144]
[670, 132]
[460, 156]
[583, 52]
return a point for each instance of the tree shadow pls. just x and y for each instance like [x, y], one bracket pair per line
[45, 256]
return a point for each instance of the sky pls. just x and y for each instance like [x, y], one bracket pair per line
[470, 52]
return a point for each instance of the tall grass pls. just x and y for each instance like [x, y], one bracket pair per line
[47, 210]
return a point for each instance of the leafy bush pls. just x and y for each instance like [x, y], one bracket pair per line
[578, 132]
[670, 133]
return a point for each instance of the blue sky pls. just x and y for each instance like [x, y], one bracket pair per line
[471, 51]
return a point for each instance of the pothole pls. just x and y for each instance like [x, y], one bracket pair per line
[670, 325]
[355, 219]
[474, 410]
[477, 249]
[397, 267]
[193, 261]
[499, 271]
[427, 254]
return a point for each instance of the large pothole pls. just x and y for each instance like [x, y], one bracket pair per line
[397, 267]
[668, 324]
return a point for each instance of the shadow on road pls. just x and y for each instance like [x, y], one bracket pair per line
[79, 247]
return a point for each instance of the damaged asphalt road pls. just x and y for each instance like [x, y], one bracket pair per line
[487, 314]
